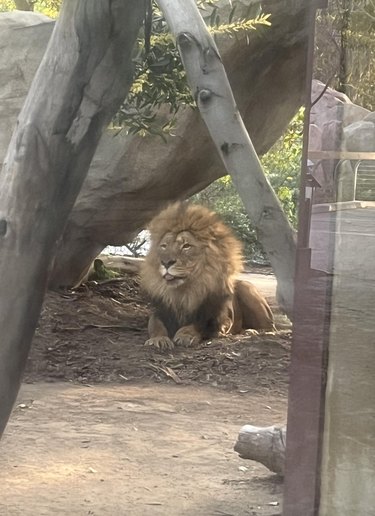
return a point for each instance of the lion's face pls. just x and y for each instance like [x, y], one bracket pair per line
[179, 256]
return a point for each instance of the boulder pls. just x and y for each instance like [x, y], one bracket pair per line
[23, 40]
[315, 137]
[360, 136]
[333, 105]
[131, 178]
[343, 126]
[331, 140]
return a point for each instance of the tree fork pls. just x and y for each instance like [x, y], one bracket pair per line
[84, 76]
[209, 83]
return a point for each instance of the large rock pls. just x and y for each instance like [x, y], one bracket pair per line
[23, 40]
[132, 177]
[333, 105]
[342, 126]
[360, 136]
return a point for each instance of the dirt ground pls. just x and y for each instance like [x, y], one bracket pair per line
[105, 426]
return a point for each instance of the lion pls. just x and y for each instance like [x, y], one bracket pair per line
[190, 276]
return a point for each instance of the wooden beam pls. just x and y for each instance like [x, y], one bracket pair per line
[309, 349]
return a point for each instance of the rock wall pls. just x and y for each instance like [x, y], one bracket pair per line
[131, 177]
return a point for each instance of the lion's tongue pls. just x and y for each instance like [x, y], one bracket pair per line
[169, 277]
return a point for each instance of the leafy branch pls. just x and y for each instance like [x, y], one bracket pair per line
[160, 79]
[241, 25]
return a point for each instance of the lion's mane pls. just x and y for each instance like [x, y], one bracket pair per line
[216, 269]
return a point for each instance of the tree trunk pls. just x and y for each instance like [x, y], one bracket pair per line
[84, 75]
[213, 94]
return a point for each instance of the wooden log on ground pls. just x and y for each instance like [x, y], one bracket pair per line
[265, 445]
[126, 264]
[121, 264]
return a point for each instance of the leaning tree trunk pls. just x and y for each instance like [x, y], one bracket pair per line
[208, 80]
[84, 76]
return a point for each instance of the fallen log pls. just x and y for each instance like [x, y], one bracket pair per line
[265, 445]
[128, 264]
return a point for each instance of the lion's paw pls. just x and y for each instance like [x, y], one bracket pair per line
[185, 340]
[251, 331]
[160, 343]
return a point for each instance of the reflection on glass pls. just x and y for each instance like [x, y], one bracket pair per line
[338, 220]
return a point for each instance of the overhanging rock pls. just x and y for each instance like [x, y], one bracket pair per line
[131, 177]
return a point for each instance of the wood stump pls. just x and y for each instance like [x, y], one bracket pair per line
[265, 445]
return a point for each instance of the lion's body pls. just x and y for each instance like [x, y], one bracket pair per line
[190, 275]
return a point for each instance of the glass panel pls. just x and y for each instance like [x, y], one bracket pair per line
[342, 154]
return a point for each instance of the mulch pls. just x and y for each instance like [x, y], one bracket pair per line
[96, 334]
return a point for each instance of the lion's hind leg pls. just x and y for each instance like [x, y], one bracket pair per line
[255, 312]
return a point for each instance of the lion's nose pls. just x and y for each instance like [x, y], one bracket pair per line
[169, 263]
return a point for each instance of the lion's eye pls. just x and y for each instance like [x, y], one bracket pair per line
[163, 246]
[186, 246]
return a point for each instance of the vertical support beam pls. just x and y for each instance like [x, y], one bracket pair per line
[309, 352]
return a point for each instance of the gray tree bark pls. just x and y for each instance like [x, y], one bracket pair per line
[213, 94]
[265, 445]
[84, 76]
